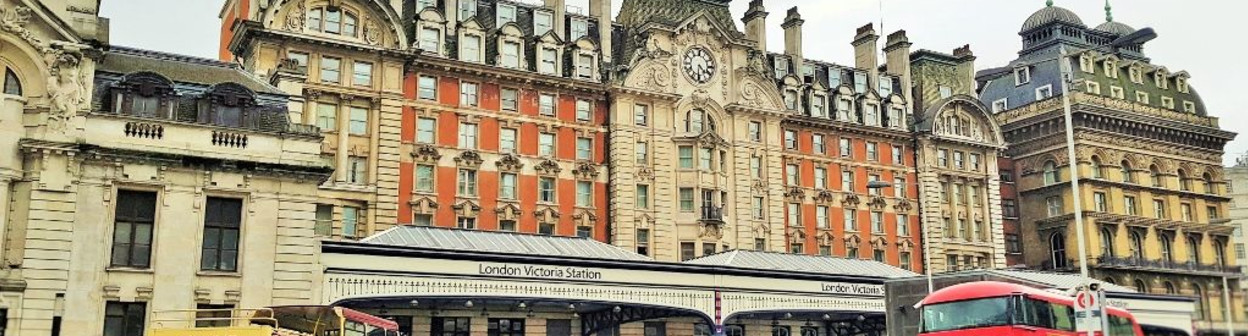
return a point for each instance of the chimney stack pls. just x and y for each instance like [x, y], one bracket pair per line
[865, 57]
[560, 16]
[755, 20]
[966, 64]
[601, 10]
[897, 54]
[793, 38]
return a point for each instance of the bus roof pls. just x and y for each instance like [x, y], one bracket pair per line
[989, 289]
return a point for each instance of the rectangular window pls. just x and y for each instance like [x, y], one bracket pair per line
[643, 243]
[327, 116]
[584, 232]
[756, 166]
[845, 149]
[584, 66]
[795, 214]
[1054, 205]
[860, 82]
[821, 178]
[222, 223]
[899, 187]
[133, 222]
[1129, 205]
[791, 177]
[467, 9]
[903, 225]
[550, 58]
[511, 54]
[362, 74]
[428, 88]
[688, 251]
[816, 106]
[877, 222]
[942, 158]
[507, 140]
[1159, 209]
[450, 326]
[1116, 92]
[959, 160]
[507, 225]
[851, 220]
[467, 182]
[583, 110]
[124, 318]
[546, 104]
[584, 194]
[704, 158]
[1013, 245]
[542, 22]
[817, 144]
[1000, 105]
[579, 28]
[847, 181]
[641, 115]
[468, 94]
[331, 69]
[873, 152]
[686, 199]
[898, 155]
[424, 178]
[873, 178]
[324, 220]
[1100, 201]
[546, 229]
[350, 219]
[1022, 75]
[206, 316]
[641, 152]
[546, 189]
[1044, 92]
[509, 99]
[759, 208]
[359, 120]
[301, 60]
[584, 149]
[686, 156]
[821, 216]
[790, 139]
[430, 40]
[756, 131]
[506, 13]
[467, 136]
[507, 186]
[643, 197]
[708, 249]
[546, 144]
[357, 170]
[425, 130]
[1186, 212]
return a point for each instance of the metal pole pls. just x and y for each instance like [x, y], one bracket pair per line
[1068, 80]
[1226, 308]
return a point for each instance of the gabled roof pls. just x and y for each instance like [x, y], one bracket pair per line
[181, 68]
[426, 237]
[802, 263]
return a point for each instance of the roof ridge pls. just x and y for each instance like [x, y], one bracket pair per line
[164, 55]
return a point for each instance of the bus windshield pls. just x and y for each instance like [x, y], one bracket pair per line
[978, 313]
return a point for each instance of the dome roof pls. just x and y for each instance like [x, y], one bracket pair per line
[1116, 28]
[1050, 14]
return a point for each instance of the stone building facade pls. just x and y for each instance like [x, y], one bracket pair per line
[1148, 156]
[137, 181]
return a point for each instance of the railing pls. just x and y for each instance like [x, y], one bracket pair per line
[210, 318]
[1165, 264]
[712, 213]
[265, 118]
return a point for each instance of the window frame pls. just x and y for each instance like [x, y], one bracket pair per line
[222, 226]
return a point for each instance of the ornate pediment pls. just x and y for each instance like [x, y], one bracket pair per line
[825, 197]
[760, 186]
[853, 241]
[877, 203]
[711, 230]
[586, 171]
[508, 211]
[711, 140]
[469, 159]
[795, 194]
[467, 208]
[797, 236]
[426, 153]
[509, 163]
[879, 243]
[645, 174]
[585, 217]
[424, 205]
[826, 237]
[903, 205]
[546, 214]
[850, 200]
[548, 167]
[905, 245]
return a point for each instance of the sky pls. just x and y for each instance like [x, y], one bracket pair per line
[1202, 37]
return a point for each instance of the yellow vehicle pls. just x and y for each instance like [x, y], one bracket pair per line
[273, 321]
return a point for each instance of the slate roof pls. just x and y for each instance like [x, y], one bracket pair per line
[1056, 280]
[634, 13]
[500, 242]
[801, 263]
[1050, 14]
[181, 68]
[1116, 28]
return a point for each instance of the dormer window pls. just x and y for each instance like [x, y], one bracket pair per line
[1141, 97]
[585, 66]
[895, 116]
[1167, 102]
[1000, 105]
[886, 86]
[834, 78]
[1044, 92]
[817, 106]
[808, 70]
[430, 39]
[511, 54]
[542, 22]
[1135, 74]
[860, 82]
[470, 48]
[332, 21]
[1092, 87]
[1160, 79]
[844, 110]
[1022, 75]
[1116, 92]
[506, 13]
[1189, 107]
[782, 66]
[549, 58]
[467, 9]
[1085, 64]
[1111, 68]
[422, 4]
[871, 113]
[578, 29]
[1181, 84]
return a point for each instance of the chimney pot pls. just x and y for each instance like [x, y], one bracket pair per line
[963, 51]
[755, 20]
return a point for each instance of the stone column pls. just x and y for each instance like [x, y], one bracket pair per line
[344, 140]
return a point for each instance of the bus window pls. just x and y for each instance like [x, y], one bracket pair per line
[1120, 326]
[1035, 313]
[1063, 317]
[977, 313]
[353, 328]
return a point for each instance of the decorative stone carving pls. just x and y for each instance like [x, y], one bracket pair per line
[877, 203]
[508, 211]
[296, 17]
[546, 214]
[795, 194]
[586, 171]
[905, 245]
[825, 197]
[548, 167]
[467, 208]
[645, 174]
[426, 153]
[509, 163]
[654, 77]
[372, 32]
[66, 88]
[903, 205]
[711, 230]
[759, 186]
[853, 241]
[850, 200]
[424, 205]
[796, 236]
[825, 237]
[469, 159]
[879, 243]
[584, 218]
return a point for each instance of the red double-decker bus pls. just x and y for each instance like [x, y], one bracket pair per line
[1006, 309]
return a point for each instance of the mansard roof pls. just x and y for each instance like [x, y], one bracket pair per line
[635, 13]
[181, 68]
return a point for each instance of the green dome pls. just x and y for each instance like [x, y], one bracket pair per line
[1051, 14]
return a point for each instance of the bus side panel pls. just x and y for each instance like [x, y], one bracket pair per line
[232, 331]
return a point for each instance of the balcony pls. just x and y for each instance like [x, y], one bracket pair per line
[712, 214]
[1160, 265]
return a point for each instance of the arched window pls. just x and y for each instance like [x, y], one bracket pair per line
[333, 21]
[1126, 172]
[1057, 250]
[1184, 183]
[1170, 288]
[1098, 171]
[1193, 250]
[12, 85]
[1140, 287]
[1206, 182]
[1201, 309]
[1050, 173]
[697, 121]
[1166, 248]
[1155, 174]
[1137, 245]
[1107, 242]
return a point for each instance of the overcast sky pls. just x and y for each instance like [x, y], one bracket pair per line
[1203, 37]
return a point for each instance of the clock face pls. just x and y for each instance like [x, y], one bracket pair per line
[699, 65]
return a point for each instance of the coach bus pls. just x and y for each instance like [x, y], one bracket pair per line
[1006, 309]
[273, 321]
